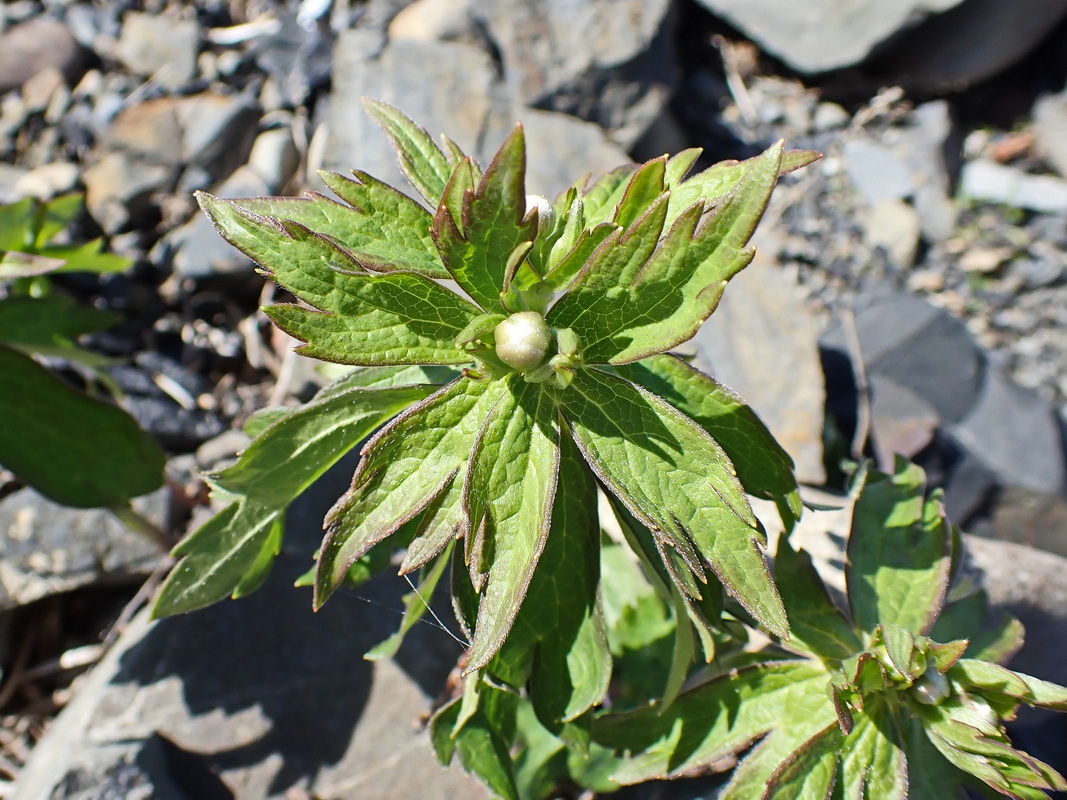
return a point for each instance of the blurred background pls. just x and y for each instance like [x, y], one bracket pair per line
[909, 296]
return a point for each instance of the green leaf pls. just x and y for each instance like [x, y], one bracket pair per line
[561, 617]
[634, 299]
[600, 199]
[968, 618]
[574, 256]
[720, 179]
[967, 738]
[15, 265]
[872, 757]
[645, 186]
[991, 679]
[274, 470]
[763, 466]
[930, 776]
[510, 487]
[679, 164]
[52, 320]
[383, 229]
[899, 553]
[364, 318]
[421, 160]
[18, 224]
[415, 607]
[810, 771]
[722, 718]
[816, 625]
[479, 740]
[72, 448]
[87, 257]
[676, 480]
[52, 217]
[493, 223]
[407, 464]
[264, 560]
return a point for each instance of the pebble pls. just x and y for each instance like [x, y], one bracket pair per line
[1050, 130]
[984, 259]
[48, 180]
[31, 47]
[988, 181]
[159, 47]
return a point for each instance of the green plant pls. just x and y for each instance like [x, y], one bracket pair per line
[499, 415]
[74, 448]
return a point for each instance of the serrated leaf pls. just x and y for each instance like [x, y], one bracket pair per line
[407, 464]
[675, 479]
[722, 718]
[645, 186]
[72, 448]
[631, 301]
[510, 487]
[899, 553]
[53, 320]
[421, 160]
[363, 318]
[679, 164]
[763, 466]
[274, 470]
[601, 198]
[720, 179]
[481, 741]
[416, 604]
[992, 679]
[816, 625]
[930, 776]
[574, 257]
[872, 757]
[810, 771]
[561, 617]
[494, 222]
[383, 229]
[968, 740]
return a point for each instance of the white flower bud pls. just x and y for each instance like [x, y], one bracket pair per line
[546, 215]
[523, 340]
[931, 688]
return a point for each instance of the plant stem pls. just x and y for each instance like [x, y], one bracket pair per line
[140, 524]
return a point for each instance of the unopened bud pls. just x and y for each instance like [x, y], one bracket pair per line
[523, 340]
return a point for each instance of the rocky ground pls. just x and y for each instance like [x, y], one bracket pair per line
[910, 295]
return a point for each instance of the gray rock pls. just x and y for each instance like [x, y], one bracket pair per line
[763, 343]
[821, 36]
[48, 180]
[47, 549]
[830, 117]
[901, 422]
[435, 21]
[876, 171]
[466, 100]
[605, 61]
[990, 182]
[196, 249]
[33, 46]
[265, 694]
[1024, 516]
[1050, 125]
[119, 190]
[145, 148]
[939, 54]
[920, 347]
[9, 181]
[893, 225]
[160, 47]
[274, 157]
[1016, 435]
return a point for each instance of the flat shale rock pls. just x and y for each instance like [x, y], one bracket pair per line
[160, 47]
[260, 695]
[467, 100]
[822, 35]
[47, 549]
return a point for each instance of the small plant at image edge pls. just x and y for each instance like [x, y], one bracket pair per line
[74, 448]
[497, 416]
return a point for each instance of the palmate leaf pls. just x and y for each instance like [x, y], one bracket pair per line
[674, 478]
[509, 490]
[241, 540]
[406, 466]
[382, 228]
[784, 701]
[763, 466]
[363, 318]
[72, 448]
[899, 553]
[635, 298]
[478, 230]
